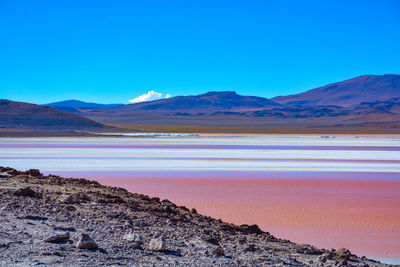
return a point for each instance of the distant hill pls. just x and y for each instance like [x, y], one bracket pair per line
[208, 102]
[369, 103]
[389, 109]
[367, 117]
[30, 116]
[367, 88]
[73, 105]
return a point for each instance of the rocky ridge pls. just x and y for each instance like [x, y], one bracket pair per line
[55, 221]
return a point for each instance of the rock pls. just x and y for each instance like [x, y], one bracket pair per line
[242, 240]
[270, 238]
[57, 238]
[70, 208]
[212, 239]
[133, 237]
[343, 253]
[76, 198]
[64, 228]
[12, 172]
[141, 223]
[157, 244]
[251, 248]
[34, 172]
[86, 242]
[35, 217]
[27, 192]
[166, 204]
[251, 229]
[218, 251]
[322, 258]
[156, 235]
[193, 211]
[4, 175]
[342, 262]
[114, 214]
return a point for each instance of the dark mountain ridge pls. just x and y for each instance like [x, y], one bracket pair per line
[211, 101]
[73, 106]
[30, 116]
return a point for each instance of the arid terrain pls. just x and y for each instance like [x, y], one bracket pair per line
[364, 104]
[54, 221]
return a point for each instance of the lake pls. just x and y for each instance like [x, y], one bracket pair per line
[331, 192]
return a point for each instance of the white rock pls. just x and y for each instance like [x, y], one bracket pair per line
[157, 244]
[133, 237]
[85, 242]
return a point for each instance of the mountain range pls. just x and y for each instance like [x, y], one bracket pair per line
[25, 116]
[365, 103]
[367, 88]
[72, 105]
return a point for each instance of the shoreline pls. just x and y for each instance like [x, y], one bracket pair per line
[88, 207]
[11, 133]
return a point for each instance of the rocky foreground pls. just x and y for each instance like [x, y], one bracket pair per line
[55, 221]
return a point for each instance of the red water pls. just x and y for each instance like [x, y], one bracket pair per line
[360, 211]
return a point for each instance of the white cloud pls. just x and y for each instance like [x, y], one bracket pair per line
[149, 96]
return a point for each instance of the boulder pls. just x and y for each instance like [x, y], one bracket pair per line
[157, 244]
[193, 211]
[57, 238]
[251, 229]
[343, 253]
[86, 242]
[34, 172]
[27, 192]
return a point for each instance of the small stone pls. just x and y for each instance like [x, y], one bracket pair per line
[322, 258]
[142, 223]
[218, 251]
[86, 242]
[70, 208]
[342, 263]
[133, 237]
[157, 244]
[57, 238]
[251, 248]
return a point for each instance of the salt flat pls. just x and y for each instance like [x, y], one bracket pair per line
[245, 153]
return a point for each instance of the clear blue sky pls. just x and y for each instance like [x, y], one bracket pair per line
[112, 51]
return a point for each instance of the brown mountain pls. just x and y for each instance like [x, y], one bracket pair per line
[388, 110]
[35, 117]
[367, 88]
[211, 101]
[180, 106]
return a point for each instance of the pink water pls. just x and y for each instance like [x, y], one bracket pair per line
[360, 211]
